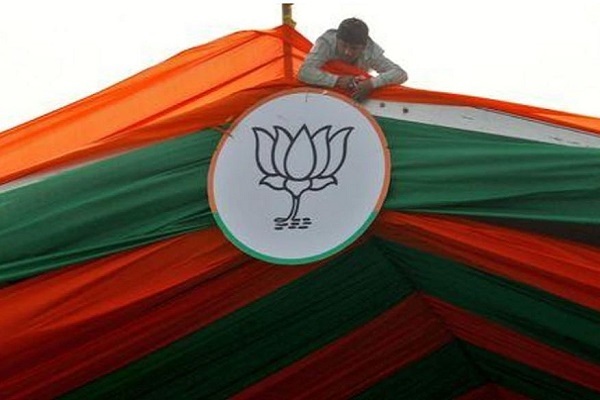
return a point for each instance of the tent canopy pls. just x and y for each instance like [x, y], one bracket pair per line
[479, 280]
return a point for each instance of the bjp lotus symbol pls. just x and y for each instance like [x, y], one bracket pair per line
[299, 163]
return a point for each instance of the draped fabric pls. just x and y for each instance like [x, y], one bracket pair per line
[480, 279]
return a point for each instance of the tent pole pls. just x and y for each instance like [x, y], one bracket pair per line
[286, 14]
[286, 17]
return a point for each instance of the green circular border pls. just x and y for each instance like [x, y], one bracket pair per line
[294, 261]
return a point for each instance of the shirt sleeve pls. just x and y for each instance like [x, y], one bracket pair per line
[311, 72]
[389, 72]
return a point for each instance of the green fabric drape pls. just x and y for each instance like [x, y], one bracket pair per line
[159, 191]
[452, 171]
[106, 207]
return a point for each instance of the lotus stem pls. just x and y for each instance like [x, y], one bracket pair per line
[293, 211]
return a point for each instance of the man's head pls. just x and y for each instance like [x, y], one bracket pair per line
[352, 35]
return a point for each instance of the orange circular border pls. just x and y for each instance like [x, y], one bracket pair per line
[374, 124]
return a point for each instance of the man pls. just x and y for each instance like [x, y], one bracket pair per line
[351, 44]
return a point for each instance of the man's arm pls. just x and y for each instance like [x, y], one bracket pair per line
[389, 72]
[311, 72]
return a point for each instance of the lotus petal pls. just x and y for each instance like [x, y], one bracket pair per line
[338, 145]
[264, 151]
[322, 148]
[301, 157]
[321, 183]
[283, 140]
[274, 182]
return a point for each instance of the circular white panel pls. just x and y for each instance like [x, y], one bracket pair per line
[299, 177]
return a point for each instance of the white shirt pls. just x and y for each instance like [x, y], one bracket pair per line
[372, 58]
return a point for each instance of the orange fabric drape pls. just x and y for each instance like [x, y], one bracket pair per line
[85, 321]
[566, 269]
[400, 93]
[105, 122]
[192, 91]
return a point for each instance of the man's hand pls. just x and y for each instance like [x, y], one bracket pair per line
[358, 87]
[346, 82]
[362, 89]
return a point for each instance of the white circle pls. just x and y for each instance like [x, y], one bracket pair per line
[305, 148]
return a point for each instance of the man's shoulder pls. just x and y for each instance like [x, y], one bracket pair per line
[373, 50]
[329, 37]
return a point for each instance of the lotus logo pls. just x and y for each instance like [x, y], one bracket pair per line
[299, 176]
[297, 164]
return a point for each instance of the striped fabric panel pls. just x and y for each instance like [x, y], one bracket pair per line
[66, 328]
[566, 269]
[525, 380]
[539, 315]
[444, 374]
[359, 286]
[499, 340]
[265, 336]
[461, 371]
[346, 367]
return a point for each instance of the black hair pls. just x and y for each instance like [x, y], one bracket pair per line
[353, 31]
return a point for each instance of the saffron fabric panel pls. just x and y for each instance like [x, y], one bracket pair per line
[114, 119]
[192, 91]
